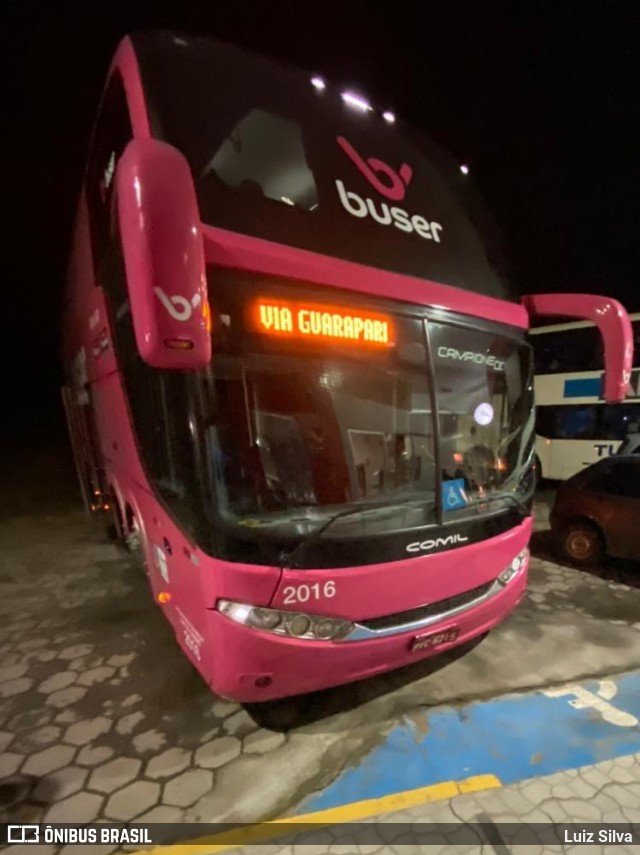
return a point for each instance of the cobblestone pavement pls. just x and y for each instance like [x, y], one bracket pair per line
[101, 717]
[607, 792]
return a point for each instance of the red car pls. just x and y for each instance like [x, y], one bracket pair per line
[597, 512]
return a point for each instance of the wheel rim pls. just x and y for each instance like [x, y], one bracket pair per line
[580, 544]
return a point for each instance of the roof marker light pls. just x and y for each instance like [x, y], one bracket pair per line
[464, 169]
[318, 83]
[388, 116]
[355, 101]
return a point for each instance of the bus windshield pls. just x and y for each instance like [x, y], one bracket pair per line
[314, 434]
[301, 426]
[284, 160]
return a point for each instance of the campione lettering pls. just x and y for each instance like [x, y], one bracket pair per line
[470, 356]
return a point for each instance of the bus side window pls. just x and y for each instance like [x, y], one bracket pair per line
[111, 134]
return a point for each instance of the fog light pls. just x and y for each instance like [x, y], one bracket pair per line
[299, 625]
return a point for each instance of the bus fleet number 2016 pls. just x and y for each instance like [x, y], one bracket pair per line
[304, 593]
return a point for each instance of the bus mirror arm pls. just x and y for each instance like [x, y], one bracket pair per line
[615, 328]
[163, 251]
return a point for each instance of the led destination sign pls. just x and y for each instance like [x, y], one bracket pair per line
[309, 321]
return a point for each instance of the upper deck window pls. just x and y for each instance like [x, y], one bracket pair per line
[266, 152]
[277, 158]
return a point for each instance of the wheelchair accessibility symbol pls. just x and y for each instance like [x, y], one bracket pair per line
[453, 494]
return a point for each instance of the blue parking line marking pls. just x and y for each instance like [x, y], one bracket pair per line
[513, 737]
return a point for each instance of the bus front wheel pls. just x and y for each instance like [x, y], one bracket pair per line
[582, 544]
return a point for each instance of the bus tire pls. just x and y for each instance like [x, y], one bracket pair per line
[582, 543]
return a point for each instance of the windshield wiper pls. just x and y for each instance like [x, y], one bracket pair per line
[288, 558]
[517, 502]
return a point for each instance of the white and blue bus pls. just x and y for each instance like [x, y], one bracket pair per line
[574, 426]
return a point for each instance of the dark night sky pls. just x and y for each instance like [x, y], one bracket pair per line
[541, 99]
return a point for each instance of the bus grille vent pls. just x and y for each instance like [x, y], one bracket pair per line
[412, 615]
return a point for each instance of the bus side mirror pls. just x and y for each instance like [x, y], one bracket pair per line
[614, 325]
[163, 254]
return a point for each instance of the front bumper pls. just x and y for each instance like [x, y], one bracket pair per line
[253, 666]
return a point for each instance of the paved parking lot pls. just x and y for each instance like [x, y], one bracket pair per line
[493, 819]
[102, 718]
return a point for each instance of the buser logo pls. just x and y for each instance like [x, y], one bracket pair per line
[178, 307]
[389, 183]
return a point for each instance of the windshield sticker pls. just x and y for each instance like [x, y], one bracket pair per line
[483, 414]
[454, 494]
[470, 356]
[392, 185]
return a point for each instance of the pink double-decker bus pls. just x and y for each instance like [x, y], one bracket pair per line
[294, 375]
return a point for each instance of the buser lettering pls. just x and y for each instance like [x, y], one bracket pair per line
[427, 545]
[470, 356]
[386, 215]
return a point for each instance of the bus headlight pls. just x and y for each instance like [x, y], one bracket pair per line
[266, 618]
[514, 568]
[286, 623]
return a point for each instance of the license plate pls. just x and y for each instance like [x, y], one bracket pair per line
[433, 639]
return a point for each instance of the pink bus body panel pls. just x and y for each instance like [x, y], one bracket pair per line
[231, 657]
[230, 249]
[382, 589]
[297, 666]
[125, 60]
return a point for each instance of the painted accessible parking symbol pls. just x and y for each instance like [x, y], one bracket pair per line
[505, 739]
